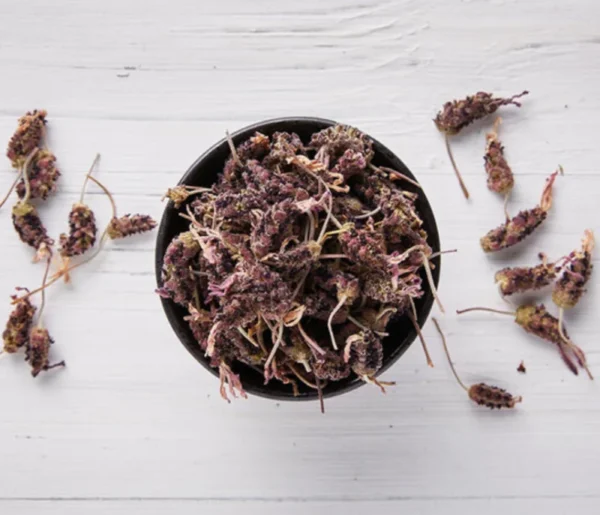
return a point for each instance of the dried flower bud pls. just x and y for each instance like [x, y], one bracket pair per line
[31, 230]
[43, 176]
[82, 232]
[526, 222]
[492, 396]
[333, 142]
[283, 147]
[350, 164]
[331, 367]
[457, 114]
[178, 281]
[364, 353]
[16, 333]
[28, 136]
[37, 351]
[571, 286]
[128, 225]
[523, 279]
[500, 177]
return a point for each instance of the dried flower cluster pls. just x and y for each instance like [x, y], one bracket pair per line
[297, 258]
[458, 114]
[38, 175]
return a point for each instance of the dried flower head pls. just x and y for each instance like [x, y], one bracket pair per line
[518, 228]
[31, 230]
[19, 323]
[38, 350]
[27, 137]
[43, 176]
[481, 393]
[128, 225]
[523, 279]
[82, 232]
[499, 175]
[569, 289]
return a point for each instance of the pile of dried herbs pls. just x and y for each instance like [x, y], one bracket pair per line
[36, 181]
[297, 258]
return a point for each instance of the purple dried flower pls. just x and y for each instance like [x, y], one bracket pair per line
[19, 322]
[523, 279]
[38, 350]
[178, 280]
[43, 176]
[331, 367]
[457, 114]
[27, 137]
[571, 286]
[82, 232]
[364, 353]
[31, 230]
[350, 164]
[518, 228]
[500, 177]
[128, 225]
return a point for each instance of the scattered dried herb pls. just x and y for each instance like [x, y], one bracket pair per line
[481, 393]
[457, 114]
[535, 319]
[521, 368]
[499, 175]
[128, 225]
[522, 225]
[297, 258]
[20, 320]
[42, 176]
[28, 136]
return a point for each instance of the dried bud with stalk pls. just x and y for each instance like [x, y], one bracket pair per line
[37, 350]
[179, 195]
[20, 320]
[364, 353]
[481, 393]
[524, 279]
[536, 320]
[522, 225]
[82, 226]
[42, 176]
[457, 114]
[570, 287]
[128, 225]
[499, 175]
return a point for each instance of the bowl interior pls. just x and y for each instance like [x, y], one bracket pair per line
[204, 172]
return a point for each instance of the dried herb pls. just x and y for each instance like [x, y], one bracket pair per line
[42, 177]
[570, 287]
[31, 230]
[521, 368]
[499, 175]
[457, 114]
[28, 136]
[16, 333]
[481, 393]
[525, 223]
[523, 279]
[128, 225]
[297, 258]
[82, 225]
[538, 321]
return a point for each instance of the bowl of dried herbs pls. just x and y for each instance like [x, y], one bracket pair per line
[297, 259]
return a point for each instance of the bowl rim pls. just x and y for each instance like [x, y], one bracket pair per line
[170, 307]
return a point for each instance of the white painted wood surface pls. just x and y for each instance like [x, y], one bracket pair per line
[134, 425]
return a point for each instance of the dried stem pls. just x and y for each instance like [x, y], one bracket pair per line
[311, 343]
[247, 336]
[436, 254]
[108, 194]
[574, 348]
[43, 301]
[320, 390]
[275, 346]
[364, 327]
[234, 153]
[370, 213]
[301, 377]
[506, 197]
[456, 171]
[479, 308]
[87, 177]
[395, 174]
[26, 174]
[330, 320]
[333, 256]
[413, 319]
[439, 330]
[431, 282]
[10, 190]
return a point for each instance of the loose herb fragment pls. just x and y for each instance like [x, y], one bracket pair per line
[499, 175]
[481, 393]
[521, 368]
[457, 114]
[297, 258]
[538, 321]
[525, 223]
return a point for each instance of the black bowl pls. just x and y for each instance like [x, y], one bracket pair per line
[204, 172]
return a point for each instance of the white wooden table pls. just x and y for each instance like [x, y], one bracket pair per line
[133, 424]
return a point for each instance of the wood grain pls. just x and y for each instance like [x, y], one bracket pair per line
[133, 424]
